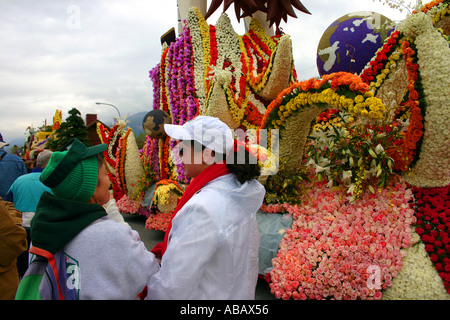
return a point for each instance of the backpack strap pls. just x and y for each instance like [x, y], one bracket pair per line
[52, 262]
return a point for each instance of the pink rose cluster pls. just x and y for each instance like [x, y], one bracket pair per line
[336, 249]
[158, 221]
[127, 205]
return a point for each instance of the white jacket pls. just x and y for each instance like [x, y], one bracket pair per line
[213, 245]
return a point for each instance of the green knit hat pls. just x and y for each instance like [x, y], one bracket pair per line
[72, 172]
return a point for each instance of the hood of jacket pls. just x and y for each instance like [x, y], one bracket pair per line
[57, 221]
[249, 195]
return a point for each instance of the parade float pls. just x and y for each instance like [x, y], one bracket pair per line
[36, 139]
[358, 205]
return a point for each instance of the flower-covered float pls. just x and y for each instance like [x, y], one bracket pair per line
[359, 206]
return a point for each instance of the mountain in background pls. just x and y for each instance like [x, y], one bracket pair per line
[16, 141]
[134, 121]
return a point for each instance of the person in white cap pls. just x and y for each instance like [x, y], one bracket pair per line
[210, 250]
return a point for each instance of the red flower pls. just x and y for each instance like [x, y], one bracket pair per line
[433, 226]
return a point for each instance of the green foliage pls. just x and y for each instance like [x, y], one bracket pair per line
[73, 127]
[283, 188]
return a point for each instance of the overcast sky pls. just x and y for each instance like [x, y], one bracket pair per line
[64, 54]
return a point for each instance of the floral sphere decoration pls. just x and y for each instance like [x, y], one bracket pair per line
[153, 123]
[351, 41]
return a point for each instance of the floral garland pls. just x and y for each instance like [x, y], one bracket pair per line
[164, 158]
[256, 107]
[252, 115]
[111, 138]
[339, 250]
[121, 154]
[383, 61]
[163, 97]
[180, 81]
[428, 6]
[415, 107]
[116, 190]
[259, 57]
[196, 23]
[154, 75]
[432, 208]
[440, 11]
[213, 47]
[341, 90]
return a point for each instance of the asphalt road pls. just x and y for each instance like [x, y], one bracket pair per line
[152, 237]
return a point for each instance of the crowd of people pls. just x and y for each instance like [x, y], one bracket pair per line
[64, 208]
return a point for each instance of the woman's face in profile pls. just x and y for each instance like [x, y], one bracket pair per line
[101, 195]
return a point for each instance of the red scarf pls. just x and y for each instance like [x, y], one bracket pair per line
[207, 175]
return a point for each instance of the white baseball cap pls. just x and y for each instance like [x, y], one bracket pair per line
[208, 131]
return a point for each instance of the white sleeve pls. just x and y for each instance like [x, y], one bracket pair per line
[113, 212]
[192, 243]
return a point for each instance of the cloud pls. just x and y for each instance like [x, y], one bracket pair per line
[64, 54]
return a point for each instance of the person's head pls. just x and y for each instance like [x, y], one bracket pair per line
[206, 140]
[78, 173]
[199, 139]
[43, 158]
[2, 142]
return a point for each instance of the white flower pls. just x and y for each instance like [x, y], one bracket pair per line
[346, 176]
[418, 279]
[379, 149]
[320, 169]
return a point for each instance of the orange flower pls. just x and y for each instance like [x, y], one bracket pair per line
[413, 94]
[306, 85]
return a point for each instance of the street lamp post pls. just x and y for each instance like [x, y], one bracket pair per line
[108, 104]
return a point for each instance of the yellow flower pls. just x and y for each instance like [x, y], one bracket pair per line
[359, 107]
[359, 99]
